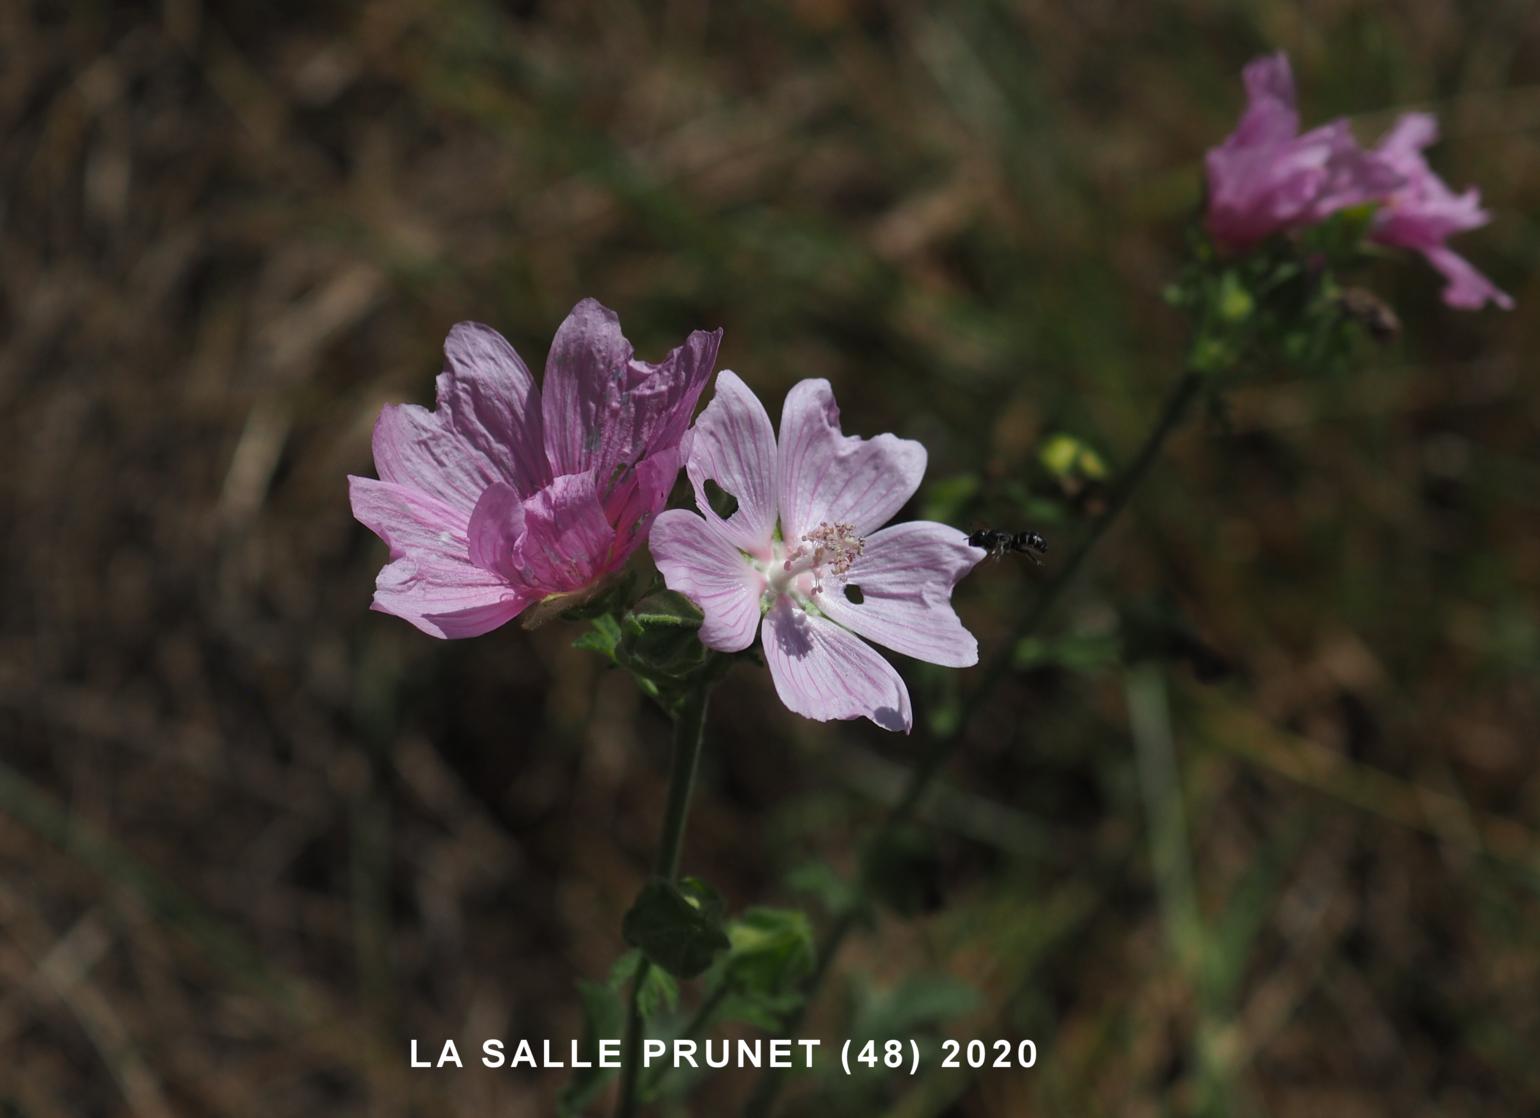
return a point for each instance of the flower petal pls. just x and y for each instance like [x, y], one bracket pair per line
[827, 477]
[1467, 288]
[495, 526]
[430, 579]
[906, 574]
[606, 411]
[697, 560]
[485, 426]
[1407, 137]
[567, 542]
[1265, 179]
[632, 507]
[734, 446]
[1270, 115]
[823, 672]
[1348, 176]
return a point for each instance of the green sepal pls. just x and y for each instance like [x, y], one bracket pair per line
[662, 636]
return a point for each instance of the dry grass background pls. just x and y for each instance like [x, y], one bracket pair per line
[253, 837]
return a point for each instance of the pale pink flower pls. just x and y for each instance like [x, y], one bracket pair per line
[806, 552]
[499, 500]
[1423, 213]
[1266, 178]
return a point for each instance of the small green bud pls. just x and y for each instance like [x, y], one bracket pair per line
[1066, 456]
[1235, 303]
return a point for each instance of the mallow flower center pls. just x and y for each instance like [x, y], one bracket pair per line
[829, 549]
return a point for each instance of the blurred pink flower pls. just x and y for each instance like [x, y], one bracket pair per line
[1266, 178]
[497, 500]
[806, 552]
[1423, 212]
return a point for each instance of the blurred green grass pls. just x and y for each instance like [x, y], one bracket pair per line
[228, 235]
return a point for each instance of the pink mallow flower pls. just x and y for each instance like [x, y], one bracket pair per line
[498, 500]
[1266, 178]
[1423, 212]
[806, 552]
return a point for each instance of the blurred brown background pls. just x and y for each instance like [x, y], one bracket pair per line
[253, 837]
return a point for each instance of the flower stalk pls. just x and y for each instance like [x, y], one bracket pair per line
[689, 731]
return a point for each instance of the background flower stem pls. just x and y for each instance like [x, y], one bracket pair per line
[1178, 403]
[689, 727]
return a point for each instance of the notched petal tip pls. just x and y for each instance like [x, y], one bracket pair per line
[828, 476]
[732, 452]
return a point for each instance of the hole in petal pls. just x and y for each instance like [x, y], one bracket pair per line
[853, 594]
[723, 503]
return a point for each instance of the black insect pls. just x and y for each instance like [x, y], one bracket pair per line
[1370, 311]
[999, 543]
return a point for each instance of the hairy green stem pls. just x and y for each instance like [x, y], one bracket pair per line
[689, 727]
[1177, 405]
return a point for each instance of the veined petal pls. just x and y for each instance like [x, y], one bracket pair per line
[485, 426]
[587, 354]
[604, 410]
[823, 672]
[698, 561]
[496, 524]
[567, 542]
[430, 579]
[734, 446]
[828, 477]
[633, 505]
[905, 575]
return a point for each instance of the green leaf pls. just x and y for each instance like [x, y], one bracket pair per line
[659, 990]
[678, 928]
[772, 949]
[603, 637]
[758, 980]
